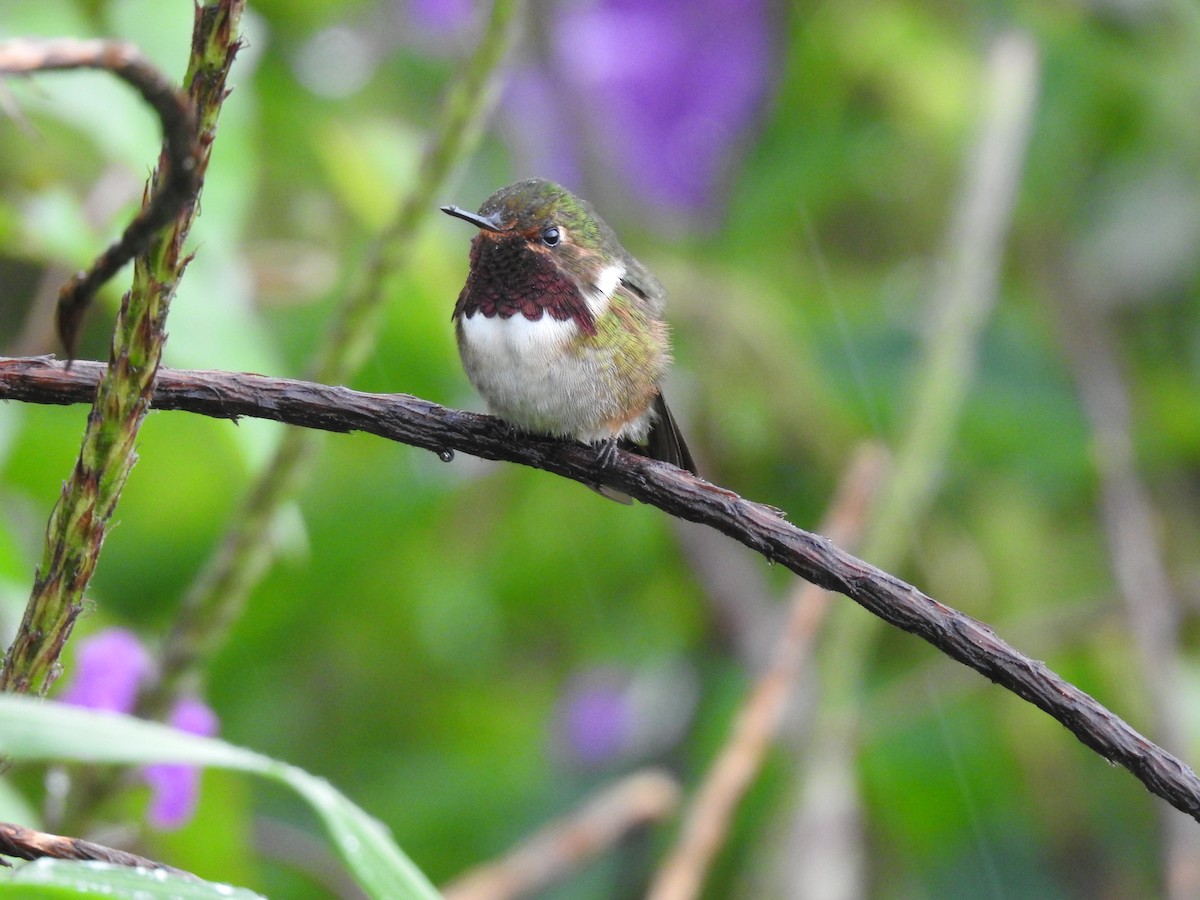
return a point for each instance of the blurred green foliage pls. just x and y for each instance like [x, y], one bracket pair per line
[417, 639]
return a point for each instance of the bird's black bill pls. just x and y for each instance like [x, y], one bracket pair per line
[487, 223]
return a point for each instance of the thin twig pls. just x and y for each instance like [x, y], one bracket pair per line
[564, 845]
[421, 423]
[26, 843]
[707, 819]
[179, 176]
[461, 118]
[965, 292]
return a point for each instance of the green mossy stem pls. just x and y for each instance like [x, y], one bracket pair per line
[79, 521]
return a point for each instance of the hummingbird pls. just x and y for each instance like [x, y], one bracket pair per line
[561, 330]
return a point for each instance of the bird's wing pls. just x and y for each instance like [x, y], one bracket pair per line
[638, 278]
[665, 441]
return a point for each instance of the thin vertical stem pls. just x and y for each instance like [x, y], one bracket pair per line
[823, 844]
[219, 593]
[78, 523]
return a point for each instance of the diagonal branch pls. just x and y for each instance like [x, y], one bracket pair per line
[26, 843]
[568, 843]
[411, 420]
[179, 177]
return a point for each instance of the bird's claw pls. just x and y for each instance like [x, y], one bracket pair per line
[607, 453]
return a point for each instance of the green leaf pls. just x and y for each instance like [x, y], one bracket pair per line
[49, 878]
[32, 729]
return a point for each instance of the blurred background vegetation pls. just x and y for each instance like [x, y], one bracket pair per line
[470, 649]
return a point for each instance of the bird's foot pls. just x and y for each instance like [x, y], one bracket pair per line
[607, 452]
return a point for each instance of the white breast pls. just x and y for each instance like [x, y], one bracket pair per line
[500, 343]
[530, 374]
[529, 377]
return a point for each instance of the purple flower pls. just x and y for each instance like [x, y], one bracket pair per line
[110, 667]
[609, 716]
[661, 91]
[176, 787]
[595, 723]
[442, 16]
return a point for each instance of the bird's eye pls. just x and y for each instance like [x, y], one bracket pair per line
[551, 237]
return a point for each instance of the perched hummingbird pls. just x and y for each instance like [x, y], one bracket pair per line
[560, 329]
